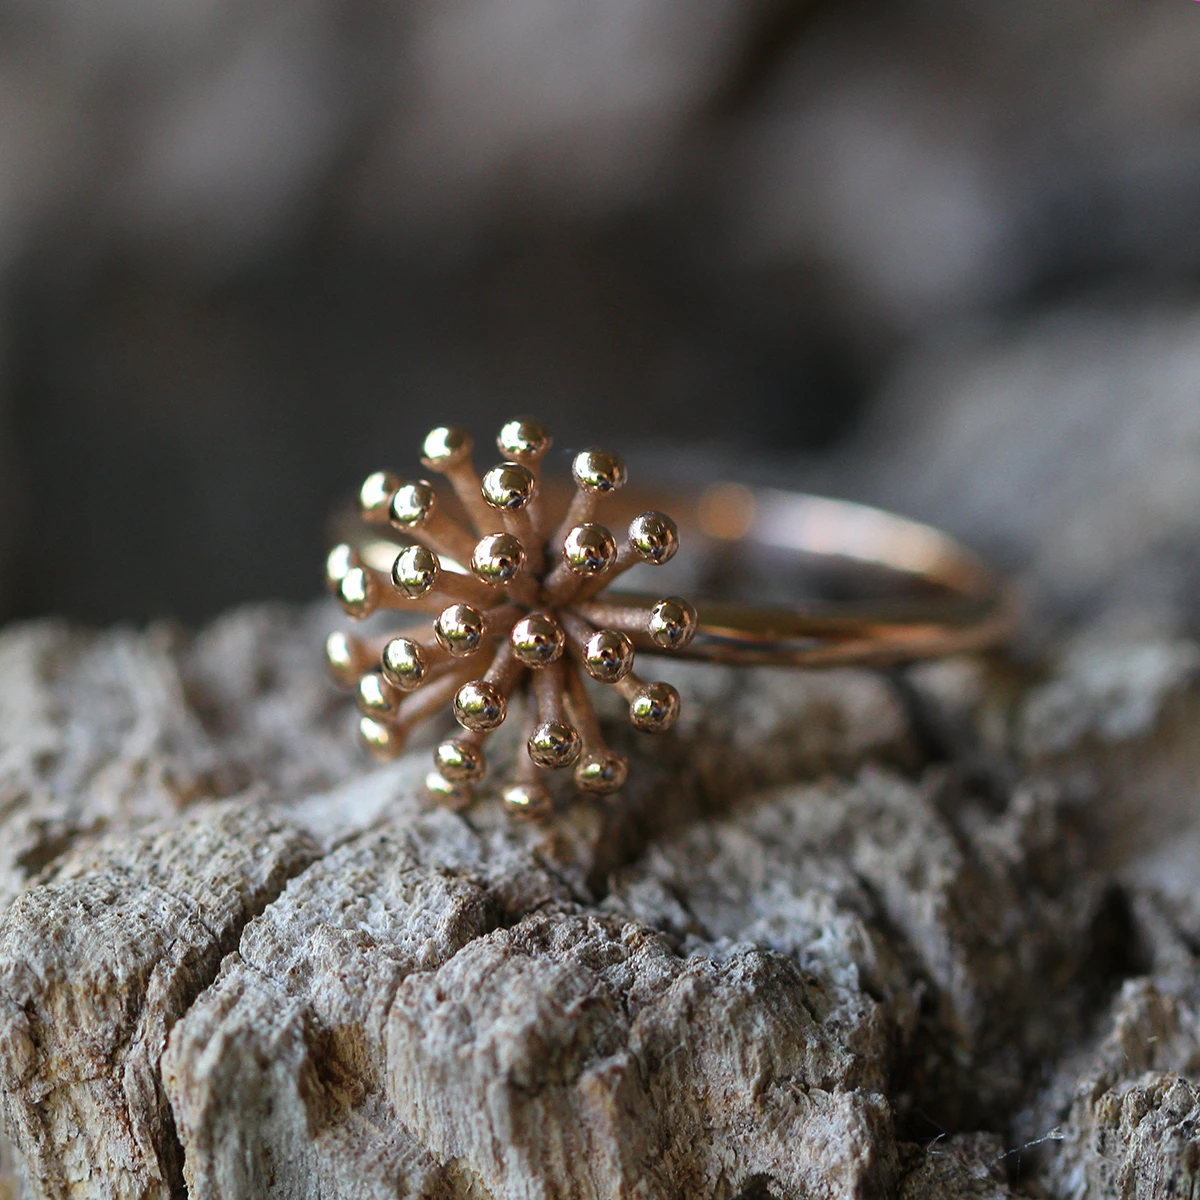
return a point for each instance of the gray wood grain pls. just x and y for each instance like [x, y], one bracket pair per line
[808, 954]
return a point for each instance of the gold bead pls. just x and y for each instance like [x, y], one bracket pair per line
[459, 762]
[413, 504]
[655, 708]
[338, 562]
[597, 471]
[377, 697]
[344, 656]
[530, 800]
[589, 549]
[601, 773]
[554, 744]
[537, 640]
[375, 495]
[447, 794]
[445, 447]
[497, 558]
[608, 656]
[672, 623]
[523, 441]
[358, 593]
[460, 629]
[655, 537]
[415, 571]
[509, 486]
[383, 740]
[404, 664]
[480, 706]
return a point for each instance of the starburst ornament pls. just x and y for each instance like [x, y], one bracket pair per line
[516, 611]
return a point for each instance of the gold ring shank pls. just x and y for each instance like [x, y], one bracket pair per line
[945, 599]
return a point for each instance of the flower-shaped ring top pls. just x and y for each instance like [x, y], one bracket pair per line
[516, 608]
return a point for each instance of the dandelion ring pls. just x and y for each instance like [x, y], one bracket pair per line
[521, 607]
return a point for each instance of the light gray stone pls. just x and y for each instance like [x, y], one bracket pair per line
[844, 935]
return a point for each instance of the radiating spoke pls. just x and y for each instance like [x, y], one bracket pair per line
[523, 625]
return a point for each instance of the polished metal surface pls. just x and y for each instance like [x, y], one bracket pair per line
[944, 599]
[524, 605]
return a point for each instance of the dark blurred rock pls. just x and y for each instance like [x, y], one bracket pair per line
[1067, 445]
[249, 257]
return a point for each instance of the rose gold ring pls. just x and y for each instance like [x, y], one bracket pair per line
[516, 574]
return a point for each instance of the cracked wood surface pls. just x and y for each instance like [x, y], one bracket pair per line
[931, 935]
[810, 954]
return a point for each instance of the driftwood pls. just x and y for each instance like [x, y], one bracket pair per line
[928, 935]
[850, 935]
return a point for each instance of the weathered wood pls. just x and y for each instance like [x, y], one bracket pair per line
[362, 857]
[127, 936]
[930, 935]
[799, 946]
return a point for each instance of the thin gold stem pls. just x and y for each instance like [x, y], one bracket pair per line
[583, 713]
[527, 771]
[533, 464]
[466, 589]
[506, 669]
[627, 557]
[561, 583]
[523, 588]
[628, 618]
[464, 479]
[519, 523]
[629, 686]
[548, 685]
[498, 622]
[580, 511]
[578, 632]
[429, 697]
[446, 537]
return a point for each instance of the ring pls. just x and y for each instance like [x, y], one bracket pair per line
[521, 607]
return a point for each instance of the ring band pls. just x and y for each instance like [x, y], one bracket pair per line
[526, 605]
[961, 606]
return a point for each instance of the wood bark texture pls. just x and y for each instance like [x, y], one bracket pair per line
[929, 935]
[848, 935]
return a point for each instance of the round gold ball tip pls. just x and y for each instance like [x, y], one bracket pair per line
[508, 486]
[412, 504]
[589, 549]
[447, 794]
[338, 564]
[554, 744]
[460, 629]
[404, 664]
[384, 741]
[608, 656]
[655, 708]
[375, 495]
[358, 593]
[498, 558]
[459, 762]
[480, 706]
[377, 697]
[532, 801]
[416, 571]
[601, 773]
[598, 471]
[655, 537]
[523, 440]
[344, 656]
[537, 640]
[672, 623]
[446, 447]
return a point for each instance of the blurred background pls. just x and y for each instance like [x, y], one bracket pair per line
[937, 253]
